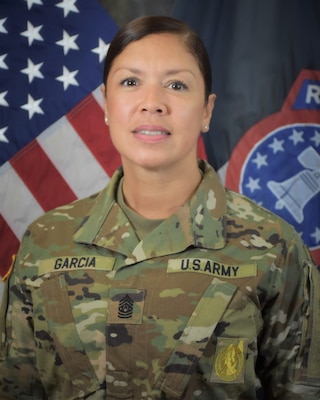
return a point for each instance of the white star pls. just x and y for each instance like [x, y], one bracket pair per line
[33, 70]
[260, 160]
[32, 2]
[68, 78]
[3, 65]
[32, 33]
[296, 137]
[2, 136]
[101, 49]
[68, 6]
[33, 106]
[316, 235]
[3, 102]
[2, 28]
[68, 42]
[253, 184]
[316, 138]
[277, 145]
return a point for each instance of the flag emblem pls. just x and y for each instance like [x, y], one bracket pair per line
[277, 162]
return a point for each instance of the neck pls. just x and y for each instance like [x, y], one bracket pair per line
[157, 195]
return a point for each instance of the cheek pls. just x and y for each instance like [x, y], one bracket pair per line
[117, 138]
[191, 117]
[120, 112]
[115, 103]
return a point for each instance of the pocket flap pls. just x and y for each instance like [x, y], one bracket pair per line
[66, 338]
[194, 338]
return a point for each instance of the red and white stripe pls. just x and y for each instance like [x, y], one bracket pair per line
[71, 159]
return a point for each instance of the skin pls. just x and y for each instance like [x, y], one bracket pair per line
[156, 108]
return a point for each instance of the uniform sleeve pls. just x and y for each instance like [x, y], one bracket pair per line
[19, 378]
[290, 343]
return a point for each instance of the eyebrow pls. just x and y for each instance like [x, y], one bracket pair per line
[169, 72]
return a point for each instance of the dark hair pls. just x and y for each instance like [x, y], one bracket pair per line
[144, 26]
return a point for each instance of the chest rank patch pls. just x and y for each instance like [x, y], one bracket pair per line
[229, 362]
[126, 306]
[125, 309]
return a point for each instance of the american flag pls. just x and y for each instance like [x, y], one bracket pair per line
[54, 145]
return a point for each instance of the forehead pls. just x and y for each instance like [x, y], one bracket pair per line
[158, 45]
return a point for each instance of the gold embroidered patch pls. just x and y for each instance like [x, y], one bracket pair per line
[229, 360]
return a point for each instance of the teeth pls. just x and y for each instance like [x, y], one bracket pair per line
[151, 133]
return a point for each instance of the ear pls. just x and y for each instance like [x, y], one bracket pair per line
[208, 112]
[104, 96]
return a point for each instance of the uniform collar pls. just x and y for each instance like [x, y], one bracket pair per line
[198, 223]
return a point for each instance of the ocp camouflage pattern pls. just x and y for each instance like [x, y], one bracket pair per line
[219, 302]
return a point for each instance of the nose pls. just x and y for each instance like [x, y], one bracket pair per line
[153, 101]
[152, 108]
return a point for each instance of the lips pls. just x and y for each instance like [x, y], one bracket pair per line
[149, 132]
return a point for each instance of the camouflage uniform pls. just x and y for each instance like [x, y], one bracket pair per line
[217, 302]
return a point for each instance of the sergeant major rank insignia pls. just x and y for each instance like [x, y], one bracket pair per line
[125, 309]
[126, 306]
[277, 161]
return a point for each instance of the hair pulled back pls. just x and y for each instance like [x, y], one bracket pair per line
[144, 26]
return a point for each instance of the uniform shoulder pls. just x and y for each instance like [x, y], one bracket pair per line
[241, 206]
[69, 212]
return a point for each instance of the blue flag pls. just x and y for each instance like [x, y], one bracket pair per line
[264, 138]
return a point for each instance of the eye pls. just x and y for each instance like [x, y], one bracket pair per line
[177, 85]
[129, 82]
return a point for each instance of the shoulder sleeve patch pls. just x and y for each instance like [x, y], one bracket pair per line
[7, 274]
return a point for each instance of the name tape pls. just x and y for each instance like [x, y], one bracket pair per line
[75, 263]
[211, 267]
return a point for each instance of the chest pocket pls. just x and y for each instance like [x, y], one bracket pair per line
[196, 334]
[61, 351]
